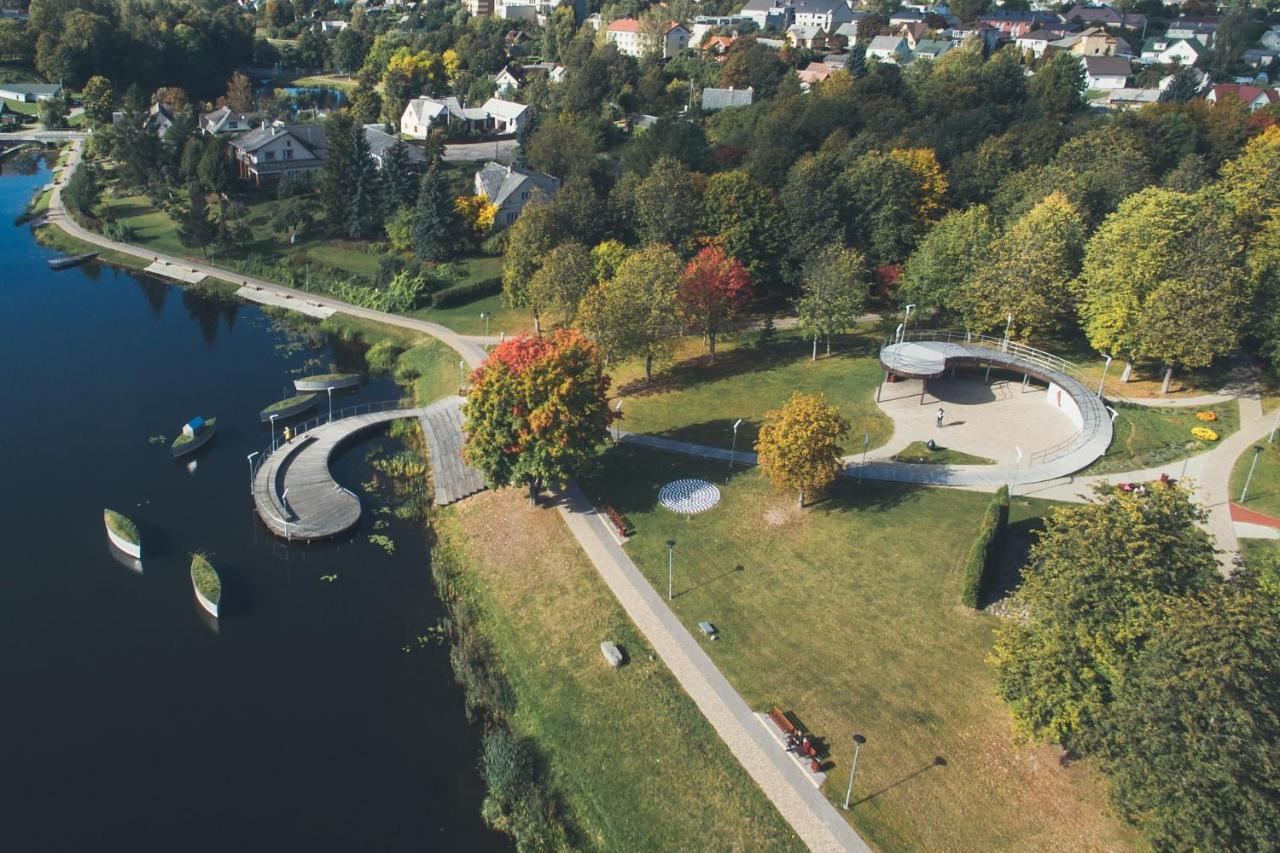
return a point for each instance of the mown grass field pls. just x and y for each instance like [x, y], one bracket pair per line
[1264, 488]
[695, 400]
[1146, 436]
[847, 613]
[637, 765]
[918, 453]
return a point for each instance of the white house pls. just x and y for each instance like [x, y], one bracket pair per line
[225, 120]
[827, 14]
[30, 92]
[888, 48]
[506, 116]
[1254, 97]
[1036, 41]
[268, 153]
[380, 142]
[703, 24]
[635, 38]
[512, 77]
[1106, 72]
[510, 188]
[766, 14]
[423, 114]
[1167, 51]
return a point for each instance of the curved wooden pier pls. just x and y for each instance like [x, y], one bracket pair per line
[297, 497]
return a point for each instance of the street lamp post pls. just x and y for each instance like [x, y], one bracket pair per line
[330, 390]
[733, 448]
[1257, 451]
[906, 319]
[250, 458]
[1104, 374]
[462, 375]
[671, 546]
[858, 741]
[617, 430]
[273, 433]
[484, 315]
[1008, 324]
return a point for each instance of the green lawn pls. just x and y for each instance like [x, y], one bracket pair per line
[341, 82]
[1146, 436]
[55, 238]
[917, 452]
[432, 367]
[636, 765]
[1264, 488]
[23, 107]
[694, 400]
[848, 614]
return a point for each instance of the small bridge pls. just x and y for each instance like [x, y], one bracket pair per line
[296, 495]
[927, 354]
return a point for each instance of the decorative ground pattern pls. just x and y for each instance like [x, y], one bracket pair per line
[688, 496]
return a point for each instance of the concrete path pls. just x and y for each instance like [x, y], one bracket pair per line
[471, 351]
[817, 822]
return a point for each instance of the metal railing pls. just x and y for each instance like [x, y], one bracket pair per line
[321, 420]
[1092, 412]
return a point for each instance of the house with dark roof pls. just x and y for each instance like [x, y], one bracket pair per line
[510, 188]
[1104, 16]
[1200, 29]
[268, 153]
[1106, 72]
[30, 93]
[380, 142]
[509, 80]
[225, 120]
[1254, 97]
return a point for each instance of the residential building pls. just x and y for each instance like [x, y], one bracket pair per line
[1166, 51]
[30, 93]
[1014, 24]
[225, 120]
[1128, 99]
[814, 72]
[637, 39]
[421, 115]
[509, 80]
[505, 116]
[478, 7]
[722, 99]
[703, 24]
[1259, 58]
[716, 47]
[1202, 30]
[1254, 97]
[268, 153]
[807, 36]
[1106, 72]
[854, 31]
[1096, 41]
[768, 14]
[888, 48]
[9, 116]
[516, 10]
[1037, 41]
[930, 48]
[1105, 16]
[827, 14]
[510, 188]
[380, 141]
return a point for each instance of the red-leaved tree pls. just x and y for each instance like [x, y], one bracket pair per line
[713, 289]
[537, 410]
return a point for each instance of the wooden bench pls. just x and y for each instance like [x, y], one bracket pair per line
[783, 721]
[619, 521]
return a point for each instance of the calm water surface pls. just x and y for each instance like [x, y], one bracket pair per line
[128, 721]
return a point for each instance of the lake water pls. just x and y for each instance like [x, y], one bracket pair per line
[128, 721]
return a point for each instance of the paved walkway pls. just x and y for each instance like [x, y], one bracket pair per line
[817, 822]
[470, 350]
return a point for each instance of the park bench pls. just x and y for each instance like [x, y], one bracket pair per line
[784, 722]
[620, 522]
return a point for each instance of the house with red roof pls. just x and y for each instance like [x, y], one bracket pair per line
[1254, 97]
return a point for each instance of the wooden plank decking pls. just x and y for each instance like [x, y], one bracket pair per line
[297, 497]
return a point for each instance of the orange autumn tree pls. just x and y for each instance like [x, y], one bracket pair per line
[537, 410]
[799, 444]
[713, 289]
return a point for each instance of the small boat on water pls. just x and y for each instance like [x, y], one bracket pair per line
[325, 381]
[71, 261]
[206, 583]
[288, 407]
[123, 533]
[195, 434]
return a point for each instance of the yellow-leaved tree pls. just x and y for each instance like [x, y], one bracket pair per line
[799, 444]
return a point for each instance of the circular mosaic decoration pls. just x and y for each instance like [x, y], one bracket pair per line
[688, 496]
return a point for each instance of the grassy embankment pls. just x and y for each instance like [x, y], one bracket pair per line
[918, 453]
[1147, 436]
[694, 400]
[1264, 488]
[848, 614]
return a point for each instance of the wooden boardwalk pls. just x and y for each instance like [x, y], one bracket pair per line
[297, 497]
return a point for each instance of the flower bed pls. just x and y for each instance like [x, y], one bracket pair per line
[1204, 434]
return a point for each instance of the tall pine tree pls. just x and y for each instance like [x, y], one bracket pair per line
[433, 219]
[195, 230]
[400, 184]
[363, 213]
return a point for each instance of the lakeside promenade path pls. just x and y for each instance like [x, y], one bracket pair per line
[804, 808]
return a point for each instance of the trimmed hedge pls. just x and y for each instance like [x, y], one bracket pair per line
[979, 562]
[461, 294]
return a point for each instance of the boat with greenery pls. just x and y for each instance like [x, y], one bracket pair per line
[325, 381]
[123, 533]
[288, 407]
[195, 434]
[207, 584]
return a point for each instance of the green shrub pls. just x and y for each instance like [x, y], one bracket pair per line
[461, 294]
[381, 357]
[980, 561]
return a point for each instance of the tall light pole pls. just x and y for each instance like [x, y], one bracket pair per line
[617, 430]
[1257, 451]
[250, 458]
[671, 546]
[1104, 374]
[273, 433]
[858, 741]
[462, 375]
[484, 315]
[906, 319]
[1008, 324]
[733, 448]
[330, 390]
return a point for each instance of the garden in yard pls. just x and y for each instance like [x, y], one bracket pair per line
[847, 613]
[1147, 436]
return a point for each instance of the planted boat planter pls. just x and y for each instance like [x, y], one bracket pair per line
[70, 261]
[325, 381]
[123, 533]
[195, 434]
[288, 407]
[206, 583]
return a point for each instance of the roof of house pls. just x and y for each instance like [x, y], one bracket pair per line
[1151, 45]
[719, 99]
[889, 43]
[631, 25]
[1107, 66]
[506, 110]
[310, 135]
[218, 116]
[764, 5]
[379, 141]
[432, 108]
[804, 32]
[931, 47]
[1245, 92]
[815, 72]
[500, 182]
[1039, 35]
[32, 88]
[818, 7]
[1103, 15]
